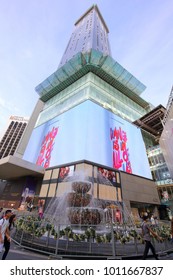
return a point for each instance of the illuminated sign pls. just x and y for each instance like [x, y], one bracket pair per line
[120, 153]
[47, 145]
[21, 119]
[89, 132]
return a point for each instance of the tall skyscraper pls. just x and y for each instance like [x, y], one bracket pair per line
[91, 32]
[70, 85]
[91, 83]
[12, 136]
[90, 104]
[86, 123]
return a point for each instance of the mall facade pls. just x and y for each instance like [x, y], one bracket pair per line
[84, 123]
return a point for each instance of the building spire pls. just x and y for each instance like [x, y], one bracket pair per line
[90, 32]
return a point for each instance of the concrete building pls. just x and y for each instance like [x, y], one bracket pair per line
[12, 136]
[166, 142]
[157, 124]
[156, 130]
[15, 173]
[166, 138]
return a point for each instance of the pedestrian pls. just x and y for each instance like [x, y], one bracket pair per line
[1, 213]
[172, 229]
[4, 231]
[40, 208]
[40, 212]
[147, 231]
[156, 221]
[7, 240]
[30, 206]
[152, 220]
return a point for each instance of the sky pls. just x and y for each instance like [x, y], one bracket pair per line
[35, 33]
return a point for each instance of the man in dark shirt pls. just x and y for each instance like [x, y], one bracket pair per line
[147, 231]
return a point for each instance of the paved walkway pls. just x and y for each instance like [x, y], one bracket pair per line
[18, 253]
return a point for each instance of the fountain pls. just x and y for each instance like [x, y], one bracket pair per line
[77, 216]
[76, 223]
[79, 200]
[78, 206]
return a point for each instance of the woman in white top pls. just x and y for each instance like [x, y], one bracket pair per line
[4, 230]
[7, 240]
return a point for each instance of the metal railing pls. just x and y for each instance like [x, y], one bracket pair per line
[112, 241]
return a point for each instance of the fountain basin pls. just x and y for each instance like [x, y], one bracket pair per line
[84, 216]
[81, 186]
[78, 199]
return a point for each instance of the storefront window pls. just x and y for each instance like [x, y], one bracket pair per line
[55, 173]
[52, 189]
[47, 174]
[44, 190]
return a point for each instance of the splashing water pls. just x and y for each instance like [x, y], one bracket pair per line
[79, 207]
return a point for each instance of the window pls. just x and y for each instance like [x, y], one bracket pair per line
[47, 175]
[44, 190]
[55, 173]
[52, 189]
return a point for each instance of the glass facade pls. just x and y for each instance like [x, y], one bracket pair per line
[149, 140]
[91, 87]
[166, 141]
[166, 198]
[159, 169]
[94, 61]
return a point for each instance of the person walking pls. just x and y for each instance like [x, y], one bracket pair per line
[40, 208]
[4, 231]
[147, 232]
[152, 220]
[7, 240]
[172, 230]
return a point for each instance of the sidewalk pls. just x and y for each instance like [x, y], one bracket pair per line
[19, 253]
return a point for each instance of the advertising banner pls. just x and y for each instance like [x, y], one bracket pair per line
[89, 132]
[28, 193]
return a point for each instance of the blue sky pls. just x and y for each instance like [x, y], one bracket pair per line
[35, 33]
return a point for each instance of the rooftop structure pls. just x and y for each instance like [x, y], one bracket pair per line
[152, 122]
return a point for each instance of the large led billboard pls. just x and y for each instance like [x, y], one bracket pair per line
[89, 132]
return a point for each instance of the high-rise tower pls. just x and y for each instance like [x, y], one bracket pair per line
[12, 136]
[90, 102]
[88, 90]
[90, 32]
